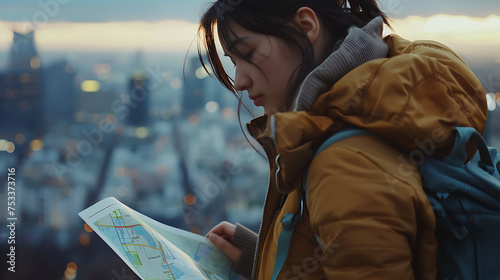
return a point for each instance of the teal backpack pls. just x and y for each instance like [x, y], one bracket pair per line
[465, 197]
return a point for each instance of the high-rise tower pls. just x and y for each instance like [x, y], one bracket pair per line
[193, 99]
[23, 55]
[21, 87]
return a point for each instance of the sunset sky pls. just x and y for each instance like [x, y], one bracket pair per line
[471, 28]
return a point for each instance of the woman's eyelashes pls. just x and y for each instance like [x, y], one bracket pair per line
[246, 57]
[249, 55]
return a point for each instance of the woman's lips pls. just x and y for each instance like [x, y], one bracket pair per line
[258, 100]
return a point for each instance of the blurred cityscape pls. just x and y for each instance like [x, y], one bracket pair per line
[165, 141]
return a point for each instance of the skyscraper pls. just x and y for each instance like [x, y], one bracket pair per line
[193, 98]
[138, 99]
[21, 87]
[60, 92]
[23, 54]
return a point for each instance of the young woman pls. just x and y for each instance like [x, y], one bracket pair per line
[318, 66]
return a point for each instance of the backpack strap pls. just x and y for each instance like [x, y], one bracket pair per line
[458, 155]
[289, 221]
[338, 136]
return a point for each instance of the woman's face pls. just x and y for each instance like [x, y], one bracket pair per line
[277, 61]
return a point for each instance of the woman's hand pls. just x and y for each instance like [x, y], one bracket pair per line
[221, 236]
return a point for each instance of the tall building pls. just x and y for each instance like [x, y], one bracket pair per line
[138, 99]
[59, 100]
[20, 99]
[193, 98]
[23, 54]
[21, 87]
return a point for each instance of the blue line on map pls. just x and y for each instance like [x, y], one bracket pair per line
[139, 230]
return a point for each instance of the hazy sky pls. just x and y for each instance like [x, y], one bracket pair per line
[470, 27]
[190, 10]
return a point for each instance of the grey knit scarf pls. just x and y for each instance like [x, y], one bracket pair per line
[360, 45]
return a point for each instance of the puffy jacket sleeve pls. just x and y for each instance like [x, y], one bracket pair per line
[246, 240]
[365, 211]
[415, 97]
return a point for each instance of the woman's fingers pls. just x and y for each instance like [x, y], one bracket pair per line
[224, 230]
[225, 246]
[221, 236]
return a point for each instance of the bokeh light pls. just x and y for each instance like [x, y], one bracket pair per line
[194, 120]
[84, 239]
[88, 228]
[176, 83]
[212, 106]
[201, 73]
[190, 199]
[142, 132]
[72, 265]
[36, 145]
[10, 147]
[20, 139]
[90, 86]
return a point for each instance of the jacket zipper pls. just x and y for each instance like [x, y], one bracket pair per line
[273, 137]
[260, 227]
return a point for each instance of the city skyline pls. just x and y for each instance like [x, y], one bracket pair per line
[170, 26]
[79, 129]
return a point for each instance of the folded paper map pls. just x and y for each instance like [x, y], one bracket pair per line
[154, 250]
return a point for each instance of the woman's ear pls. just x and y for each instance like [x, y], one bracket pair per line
[307, 20]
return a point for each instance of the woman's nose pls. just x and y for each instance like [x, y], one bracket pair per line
[241, 80]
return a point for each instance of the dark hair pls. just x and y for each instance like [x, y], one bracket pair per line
[272, 17]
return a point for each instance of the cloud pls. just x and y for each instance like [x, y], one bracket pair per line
[465, 34]
[160, 36]
[472, 37]
[426, 8]
[136, 29]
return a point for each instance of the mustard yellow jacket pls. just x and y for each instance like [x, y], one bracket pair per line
[364, 195]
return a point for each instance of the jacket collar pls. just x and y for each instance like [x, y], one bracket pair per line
[290, 140]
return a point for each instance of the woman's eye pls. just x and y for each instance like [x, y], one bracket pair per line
[249, 55]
